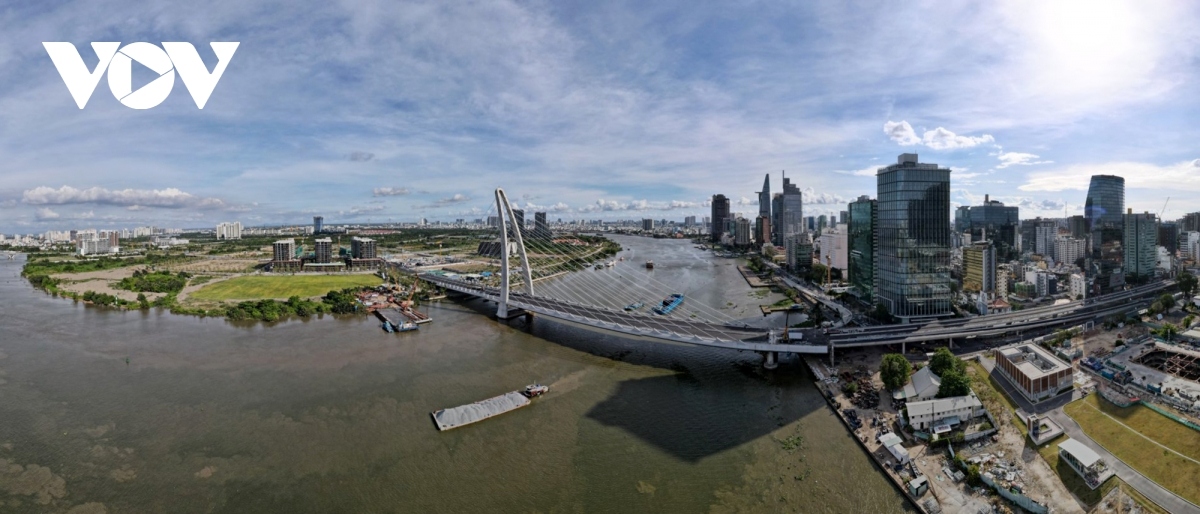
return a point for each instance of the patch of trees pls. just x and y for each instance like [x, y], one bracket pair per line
[894, 371]
[154, 282]
[953, 373]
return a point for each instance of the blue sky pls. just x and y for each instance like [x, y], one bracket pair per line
[383, 110]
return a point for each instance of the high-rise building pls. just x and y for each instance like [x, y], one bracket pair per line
[1069, 250]
[791, 218]
[822, 222]
[741, 233]
[777, 218]
[493, 221]
[993, 221]
[799, 252]
[1078, 225]
[1168, 236]
[979, 267]
[1104, 209]
[720, 213]
[229, 230]
[647, 224]
[912, 264]
[323, 250]
[689, 221]
[1078, 286]
[1190, 222]
[363, 248]
[861, 241]
[835, 248]
[762, 230]
[1045, 234]
[318, 224]
[541, 229]
[844, 218]
[764, 198]
[1140, 245]
[283, 250]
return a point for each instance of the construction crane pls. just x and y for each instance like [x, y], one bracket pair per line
[1164, 209]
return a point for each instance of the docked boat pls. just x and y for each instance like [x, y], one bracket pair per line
[610, 264]
[407, 326]
[387, 327]
[599, 265]
[669, 304]
[534, 390]
[649, 264]
[634, 306]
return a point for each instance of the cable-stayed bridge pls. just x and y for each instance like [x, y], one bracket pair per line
[545, 279]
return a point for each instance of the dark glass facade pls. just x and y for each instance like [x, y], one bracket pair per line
[912, 265]
[997, 223]
[1168, 236]
[1141, 249]
[1105, 212]
[720, 216]
[861, 241]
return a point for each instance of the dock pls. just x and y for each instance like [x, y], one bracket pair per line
[455, 417]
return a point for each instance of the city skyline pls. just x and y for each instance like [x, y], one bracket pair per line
[608, 112]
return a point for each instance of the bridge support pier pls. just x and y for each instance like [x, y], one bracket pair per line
[904, 348]
[769, 360]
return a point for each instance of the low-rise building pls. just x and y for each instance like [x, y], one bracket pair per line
[944, 413]
[1084, 461]
[923, 385]
[1035, 372]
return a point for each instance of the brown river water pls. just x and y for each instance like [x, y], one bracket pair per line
[333, 415]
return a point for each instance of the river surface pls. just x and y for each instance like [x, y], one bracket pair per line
[127, 411]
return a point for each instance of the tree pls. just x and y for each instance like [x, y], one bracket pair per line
[954, 383]
[943, 362]
[142, 302]
[1187, 284]
[894, 371]
[1167, 301]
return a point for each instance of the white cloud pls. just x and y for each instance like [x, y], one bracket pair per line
[1018, 159]
[811, 197]
[45, 213]
[901, 132]
[457, 198]
[942, 139]
[1179, 177]
[938, 139]
[389, 191]
[169, 198]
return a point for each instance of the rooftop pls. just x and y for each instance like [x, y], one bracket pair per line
[1086, 456]
[942, 405]
[1034, 361]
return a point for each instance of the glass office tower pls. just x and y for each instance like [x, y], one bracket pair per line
[1105, 212]
[862, 247]
[912, 268]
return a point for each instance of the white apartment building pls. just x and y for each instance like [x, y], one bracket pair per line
[1078, 286]
[1069, 249]
[835, 248]
[229, 230]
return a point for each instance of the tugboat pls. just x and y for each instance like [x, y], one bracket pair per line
[634, 306]
[649, 264]
[387, 327]
[534, 390]
[669, 304]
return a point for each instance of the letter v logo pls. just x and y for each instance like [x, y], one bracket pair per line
[80, 82]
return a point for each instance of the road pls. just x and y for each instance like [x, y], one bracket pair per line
[1053, 409]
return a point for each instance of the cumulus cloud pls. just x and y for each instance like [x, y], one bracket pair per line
[360, 156]
[457, 198]
[1196, 163]
[938, 139]
[1018, 159]
[45, 213]
[811, 197]
[901, 132]
[869, 171]
[389, 191]
[170, 198]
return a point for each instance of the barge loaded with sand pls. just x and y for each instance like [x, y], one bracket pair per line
[455, 417]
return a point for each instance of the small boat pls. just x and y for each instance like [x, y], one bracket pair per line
[611, 264]
[407, 326]
[534, 390]
[387, 327]
[599, 265]
[649, 264]
[622, 259]
[634, 306]
[669, 304]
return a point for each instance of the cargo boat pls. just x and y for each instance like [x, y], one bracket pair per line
[455, 417]
[634, 306]
[669, 304]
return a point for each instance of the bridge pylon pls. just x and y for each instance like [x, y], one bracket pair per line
[505, 212]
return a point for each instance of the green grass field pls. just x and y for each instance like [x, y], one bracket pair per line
[1170, 470]
[257, 288]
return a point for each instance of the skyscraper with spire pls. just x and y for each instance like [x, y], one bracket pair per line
[762, 224]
